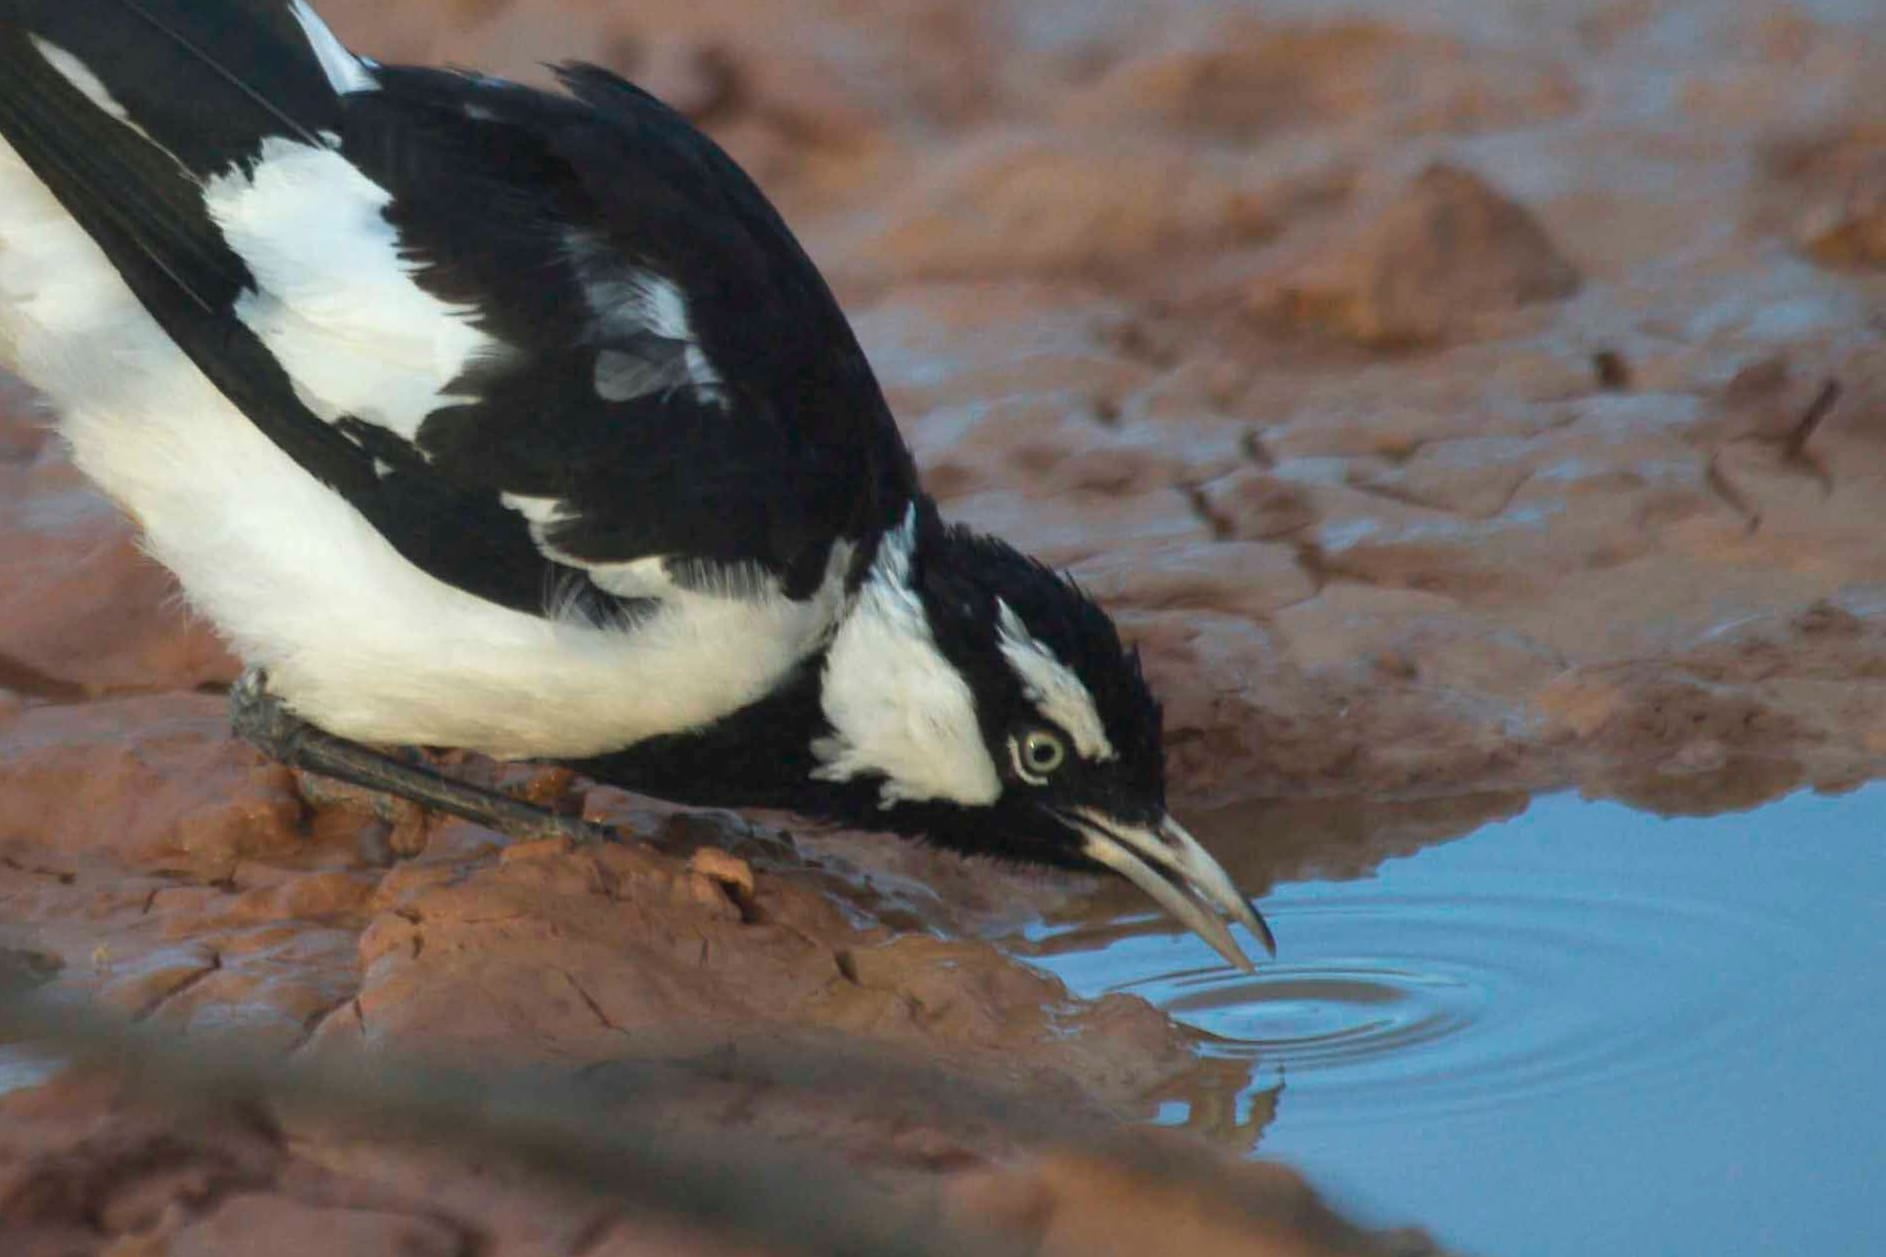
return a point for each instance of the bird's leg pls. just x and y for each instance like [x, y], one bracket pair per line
[260, 719]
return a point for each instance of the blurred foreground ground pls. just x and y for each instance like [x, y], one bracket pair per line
[1424, 393]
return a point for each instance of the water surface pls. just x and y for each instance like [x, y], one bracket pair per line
[1580, 1029]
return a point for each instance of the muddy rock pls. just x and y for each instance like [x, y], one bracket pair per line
[228, 1182]
[82, 610]
[25, 428]
[1250, 578]
[1431, 397]
[595, 950]
[1243, 76]
[1830, 193]
[1067, 1205]
[947, 353]
[292, 1228]
[1444, 255]
[1023, 203]
[1253, 504]
[155, 780]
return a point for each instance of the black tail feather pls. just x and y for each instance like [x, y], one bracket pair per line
[207, 79]
[123, 190]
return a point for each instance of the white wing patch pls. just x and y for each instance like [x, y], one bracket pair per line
[622, 376]
[537, 510]
[896, 706]
[1057, 693]
[345, 72]
[631, 305]
[335, 300]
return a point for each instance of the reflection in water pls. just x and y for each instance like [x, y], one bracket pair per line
[1580, 1029]
[1218, 1102]
[24, 1065]
[1263, 844]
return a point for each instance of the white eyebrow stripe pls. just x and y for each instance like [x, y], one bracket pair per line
[1057, 693]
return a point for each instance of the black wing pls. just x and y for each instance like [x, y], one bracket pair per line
[659, 369]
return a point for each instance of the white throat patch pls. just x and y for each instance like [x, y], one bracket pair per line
[1057, 693]
[896, 706]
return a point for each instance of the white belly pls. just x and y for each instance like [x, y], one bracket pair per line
[354, 637]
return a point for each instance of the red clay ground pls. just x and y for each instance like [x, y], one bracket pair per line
[1425, 395]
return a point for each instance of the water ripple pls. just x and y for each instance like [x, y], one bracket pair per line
[1578, 1028]
[1430, 1003]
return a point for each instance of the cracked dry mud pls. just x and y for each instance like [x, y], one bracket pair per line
[1424, 395]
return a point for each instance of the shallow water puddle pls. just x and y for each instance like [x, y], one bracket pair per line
[1581, 1029]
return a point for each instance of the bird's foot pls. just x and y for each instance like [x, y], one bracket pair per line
[262, 720]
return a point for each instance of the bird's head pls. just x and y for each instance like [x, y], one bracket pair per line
[977, 699]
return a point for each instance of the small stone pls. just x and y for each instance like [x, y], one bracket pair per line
[705, 892]
[722, 867]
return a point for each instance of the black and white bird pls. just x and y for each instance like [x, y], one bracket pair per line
[481, 416]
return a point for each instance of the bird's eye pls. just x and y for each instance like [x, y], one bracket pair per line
[1037, 755]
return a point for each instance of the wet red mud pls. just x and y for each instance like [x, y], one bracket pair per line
[1424, 395]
